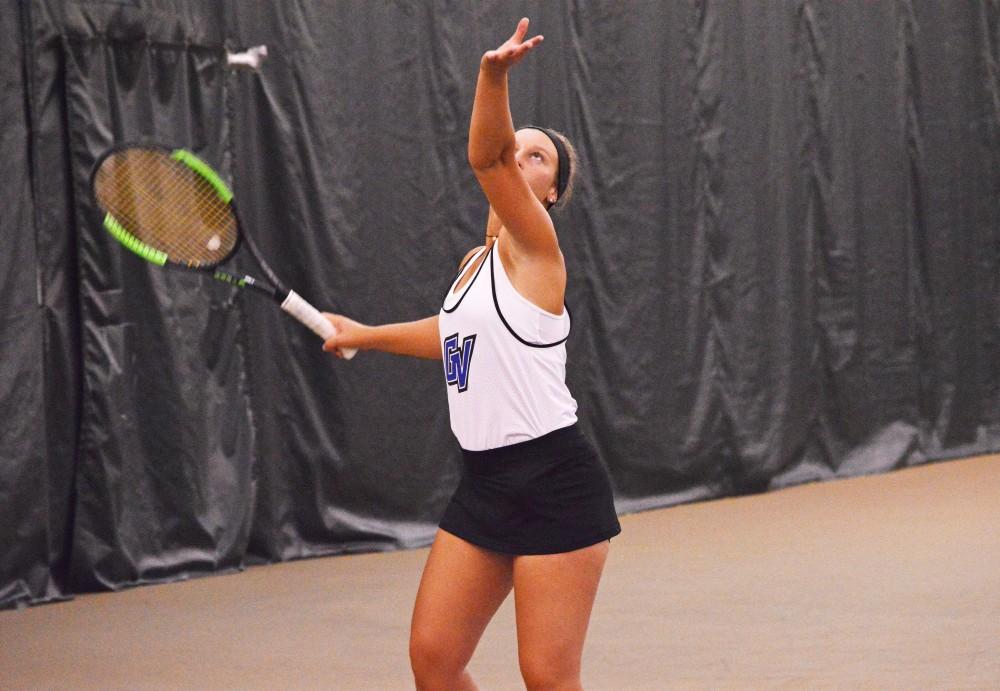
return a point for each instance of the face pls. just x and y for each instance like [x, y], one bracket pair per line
[539, 162]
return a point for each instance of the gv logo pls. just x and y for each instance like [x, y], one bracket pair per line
[457, 360]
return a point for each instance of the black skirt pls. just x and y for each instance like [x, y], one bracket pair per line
[542, 496]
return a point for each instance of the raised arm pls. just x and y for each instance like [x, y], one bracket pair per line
[417, 339]
[493, 152]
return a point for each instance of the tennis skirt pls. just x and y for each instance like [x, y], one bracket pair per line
[541, 496]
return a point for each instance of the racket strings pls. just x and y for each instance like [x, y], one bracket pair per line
[167, 206]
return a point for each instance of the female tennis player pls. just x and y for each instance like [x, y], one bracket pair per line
[533, 510]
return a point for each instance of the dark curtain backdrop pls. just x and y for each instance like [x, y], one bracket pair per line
[784, 258]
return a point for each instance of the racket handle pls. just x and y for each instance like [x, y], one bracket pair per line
[296, 306]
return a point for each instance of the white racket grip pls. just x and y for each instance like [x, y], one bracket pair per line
[296, 306]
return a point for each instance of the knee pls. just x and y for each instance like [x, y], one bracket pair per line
[549, 673]
[434, 665]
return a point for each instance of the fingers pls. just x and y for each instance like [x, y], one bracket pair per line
[348, 337]
[520, 31]
[508, 54]
[529, 44]
[514, 48]
[330, 345]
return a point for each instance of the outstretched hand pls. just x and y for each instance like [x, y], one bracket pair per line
[512, 50]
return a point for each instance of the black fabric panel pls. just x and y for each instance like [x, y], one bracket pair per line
[57, 279]
[354, 456]
[164, 478]
[25, 572]
[784, 257]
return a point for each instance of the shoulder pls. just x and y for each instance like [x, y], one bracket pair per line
[469, 255]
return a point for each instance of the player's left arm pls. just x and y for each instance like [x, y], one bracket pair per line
[492, 150]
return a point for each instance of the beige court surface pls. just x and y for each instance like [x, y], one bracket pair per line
[882, 582]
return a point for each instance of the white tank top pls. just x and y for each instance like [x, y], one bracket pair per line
[504, 361]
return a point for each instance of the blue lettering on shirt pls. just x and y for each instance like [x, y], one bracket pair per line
[458, 360]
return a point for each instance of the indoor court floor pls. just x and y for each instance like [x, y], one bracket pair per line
[881, 582]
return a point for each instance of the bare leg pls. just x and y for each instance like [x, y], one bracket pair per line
[461, 589]
[553, 597]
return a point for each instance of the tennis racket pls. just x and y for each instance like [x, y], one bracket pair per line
[169, 207]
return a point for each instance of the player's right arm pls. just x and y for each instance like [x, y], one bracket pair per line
[417, 338]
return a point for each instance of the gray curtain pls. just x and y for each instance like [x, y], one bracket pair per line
[784, 258]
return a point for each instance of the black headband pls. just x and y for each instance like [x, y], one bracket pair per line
[563, 166]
